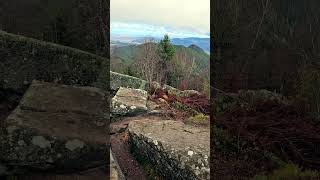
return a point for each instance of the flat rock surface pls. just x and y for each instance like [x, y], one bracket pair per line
[177, 150]
[55, 127]
[129, 102]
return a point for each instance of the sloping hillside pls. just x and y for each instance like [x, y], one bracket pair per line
[73, 23]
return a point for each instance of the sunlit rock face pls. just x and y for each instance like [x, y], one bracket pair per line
[129, 101]
[175, 150]
[55, 127]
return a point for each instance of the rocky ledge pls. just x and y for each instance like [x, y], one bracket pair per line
[55, 127]
[176, 150]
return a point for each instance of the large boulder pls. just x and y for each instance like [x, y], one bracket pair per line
[55, 127]
[175, 150]
[129, 101]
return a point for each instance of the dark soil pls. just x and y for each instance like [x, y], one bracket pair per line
[128, 164]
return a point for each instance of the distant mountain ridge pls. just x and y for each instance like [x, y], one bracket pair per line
[203, 43]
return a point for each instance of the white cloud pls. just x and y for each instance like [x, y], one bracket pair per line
[193, 15]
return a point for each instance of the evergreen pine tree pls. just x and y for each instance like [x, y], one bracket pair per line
[165, 51]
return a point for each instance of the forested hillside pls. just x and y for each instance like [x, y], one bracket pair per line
[190, 65]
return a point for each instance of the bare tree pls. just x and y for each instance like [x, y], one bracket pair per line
[148, 60]
[265, 8]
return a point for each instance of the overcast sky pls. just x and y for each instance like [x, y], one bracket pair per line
[178, 18]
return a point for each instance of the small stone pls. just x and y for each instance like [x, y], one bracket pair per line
[49, 160]
[21, 143]
[10, 129]
[74, 144]
[41, 142]
[155, 142]
[99, 123]
[165, 97]
[162, 100]
[190, 153]
[197, 172]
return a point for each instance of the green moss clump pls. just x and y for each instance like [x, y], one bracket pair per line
[199, 118]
